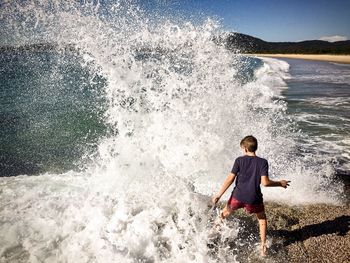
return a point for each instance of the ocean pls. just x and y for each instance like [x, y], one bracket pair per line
[318, 98]
[111, 149]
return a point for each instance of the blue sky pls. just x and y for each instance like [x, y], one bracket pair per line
[271, 20]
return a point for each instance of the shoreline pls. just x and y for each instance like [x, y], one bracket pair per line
[343, 59]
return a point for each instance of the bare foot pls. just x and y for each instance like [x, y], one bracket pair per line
[263, 250]
[218, 223]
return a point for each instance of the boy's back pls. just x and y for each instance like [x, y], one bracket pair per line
[249, 170]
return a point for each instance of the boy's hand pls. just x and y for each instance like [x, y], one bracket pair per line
[215, 199]
[284, 183]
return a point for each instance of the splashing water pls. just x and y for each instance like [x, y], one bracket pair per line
[178, 105]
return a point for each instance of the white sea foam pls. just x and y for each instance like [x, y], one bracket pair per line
[328, 102]
[342, 102]
[337, 76]
[273, 73]
[178, 114]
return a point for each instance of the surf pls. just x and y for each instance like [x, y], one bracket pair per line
[176, 106]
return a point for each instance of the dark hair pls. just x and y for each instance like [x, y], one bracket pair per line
[249, 142]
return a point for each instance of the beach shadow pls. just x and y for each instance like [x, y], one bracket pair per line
[339, 226]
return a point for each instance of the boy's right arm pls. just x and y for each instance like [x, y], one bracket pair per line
[265, 181]
[228, 181]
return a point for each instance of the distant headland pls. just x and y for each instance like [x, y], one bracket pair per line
[247, 44]
[237, 42]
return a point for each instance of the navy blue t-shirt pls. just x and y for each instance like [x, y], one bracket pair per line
[248, 171]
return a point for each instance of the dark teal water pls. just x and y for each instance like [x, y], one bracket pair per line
[51, 112]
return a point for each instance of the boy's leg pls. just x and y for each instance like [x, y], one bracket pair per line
[231, 206]
[226, 212]
[262, 227]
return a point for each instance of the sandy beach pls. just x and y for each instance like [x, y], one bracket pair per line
[345, 59]
[309, 233]
[301, 233]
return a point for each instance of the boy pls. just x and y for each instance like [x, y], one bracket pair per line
[250, 171]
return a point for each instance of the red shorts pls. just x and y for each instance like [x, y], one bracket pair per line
[234, 204]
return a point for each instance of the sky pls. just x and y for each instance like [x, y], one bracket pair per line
[270, 20]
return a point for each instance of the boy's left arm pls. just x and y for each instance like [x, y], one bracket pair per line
[265, 181]
[228, 181]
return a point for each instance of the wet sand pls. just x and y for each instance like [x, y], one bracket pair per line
[344, 59]
[305, 233]
[312, 233]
